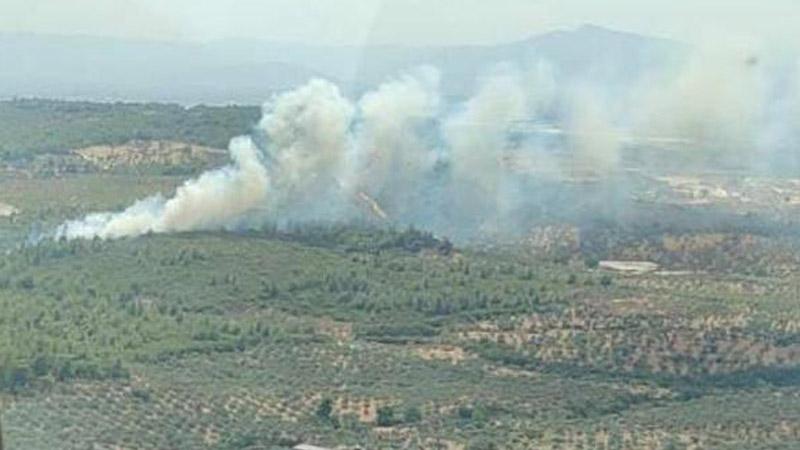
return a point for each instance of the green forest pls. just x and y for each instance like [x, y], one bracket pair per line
[357, 335]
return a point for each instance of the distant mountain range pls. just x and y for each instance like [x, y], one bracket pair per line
[244, 71]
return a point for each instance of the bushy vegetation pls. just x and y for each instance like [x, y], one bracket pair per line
[352, 335]
[327, 342]
[30, 127]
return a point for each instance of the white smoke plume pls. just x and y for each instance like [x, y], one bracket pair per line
[392, 144]
[402, 153]
[478, 135]
[307, 140]
[218, 199]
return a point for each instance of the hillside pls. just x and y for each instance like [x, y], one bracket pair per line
[671, 323]
[30, 127]
[357, 337]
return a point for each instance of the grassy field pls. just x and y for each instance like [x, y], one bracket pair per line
[352, 336]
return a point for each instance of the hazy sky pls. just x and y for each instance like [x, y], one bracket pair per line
[399, 21]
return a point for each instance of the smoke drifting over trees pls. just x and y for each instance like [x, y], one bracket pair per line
[403, 152]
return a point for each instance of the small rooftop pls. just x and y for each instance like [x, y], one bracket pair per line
[309, 447]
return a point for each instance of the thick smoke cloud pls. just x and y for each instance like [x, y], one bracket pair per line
[305, 137]
[218, 199]
[403, 154]
[395, 141]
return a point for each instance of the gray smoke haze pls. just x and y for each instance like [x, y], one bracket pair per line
[594, 143]
[403, 154]
[712, 104]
